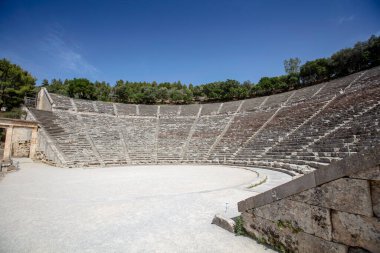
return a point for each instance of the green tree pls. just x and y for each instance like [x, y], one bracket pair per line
[292, 65]
[102, 91]
[187, 95]
[229, 89]
[315, 71]
[81, 88]
[45, 83]
[162, 94]
[176, 96]
[373, 49]
[149, 95]
[292, 80]
[14, 84]
[57, 86]
[265, 84]
[120, 92]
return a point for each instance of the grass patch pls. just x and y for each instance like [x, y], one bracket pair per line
[239, 228]
[281, 224]
[258, 183]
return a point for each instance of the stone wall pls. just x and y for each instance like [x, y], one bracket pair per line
[21, 142]
[43, 101]
[339, 214]
[21, 148]
[46, 150]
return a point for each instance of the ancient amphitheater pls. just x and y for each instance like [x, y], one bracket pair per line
[297, 131]
[310, 180]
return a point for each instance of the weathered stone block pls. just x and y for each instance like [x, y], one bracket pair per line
[21, 148]
[370, 174]
[223, 222]
[375, 195]
[357, 250]
[295, 186]
[345, 194]
[310, 219]
[309, 243]
[356, 230]
[255, 201]
[284, 238]
[351, 165]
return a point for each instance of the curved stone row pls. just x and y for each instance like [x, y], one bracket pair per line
[299, 130]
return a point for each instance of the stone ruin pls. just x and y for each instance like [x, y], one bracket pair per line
[296, 132]
[326, 136]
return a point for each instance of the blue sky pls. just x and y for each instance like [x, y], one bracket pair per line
[188, 40]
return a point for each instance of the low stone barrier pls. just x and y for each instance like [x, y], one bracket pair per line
[334, 209]
[224, 222]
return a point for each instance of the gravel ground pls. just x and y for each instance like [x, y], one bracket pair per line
[164, 208]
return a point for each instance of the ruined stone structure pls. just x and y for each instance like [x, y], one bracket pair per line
[20, 138]
[297, 131]
[327, 136]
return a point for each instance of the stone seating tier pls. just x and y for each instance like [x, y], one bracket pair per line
[190, 110]
[297, 131]
[126, 109]
[61, 102]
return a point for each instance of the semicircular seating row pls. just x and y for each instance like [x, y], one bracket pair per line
[298, 131]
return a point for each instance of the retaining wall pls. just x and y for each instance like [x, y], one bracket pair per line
[334, 209]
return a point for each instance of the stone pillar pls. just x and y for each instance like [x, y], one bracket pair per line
[33, 142]
[8, 144]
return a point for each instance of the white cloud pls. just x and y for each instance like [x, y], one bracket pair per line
[67, 56]
[346, 19]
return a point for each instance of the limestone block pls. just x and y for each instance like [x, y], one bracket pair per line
[357, 250]
[370, 174]
[295, 186]
[310, 219]
[356, 230]
[345, 194]
[224, 222]
[352, 164]
[309, 243]
[21, 148]
[284, 238]
[375, 195]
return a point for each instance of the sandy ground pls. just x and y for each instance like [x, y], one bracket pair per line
[165, 208]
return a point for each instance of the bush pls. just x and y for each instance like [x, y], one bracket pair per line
[15, 113]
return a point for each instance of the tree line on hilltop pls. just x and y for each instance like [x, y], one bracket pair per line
[15, 82]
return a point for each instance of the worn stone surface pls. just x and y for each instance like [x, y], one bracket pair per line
[375, 194]
[310, 219]
[334, 171]
[224, 222]
[21, 148]
[370, 174]
[356, 230]
[351, 165]
[255, 201]
[284, 238]
[357, 250]
[345, 194]
[309, 243]
[295, 186]
[49, 209]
